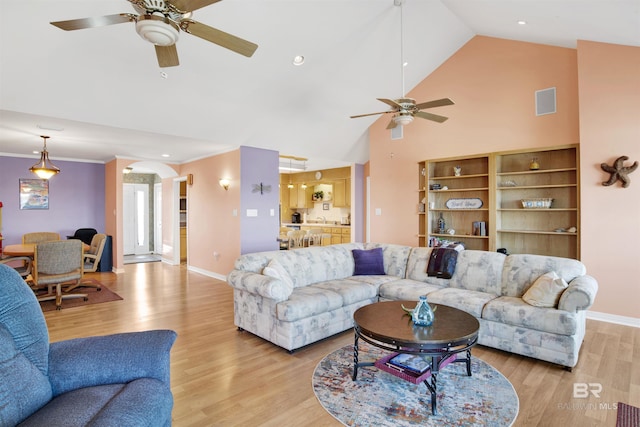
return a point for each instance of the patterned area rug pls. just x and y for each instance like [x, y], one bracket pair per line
[94, 297]
[378, 398]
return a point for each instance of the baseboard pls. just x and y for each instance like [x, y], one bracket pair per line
[614, 318]
[208, 273]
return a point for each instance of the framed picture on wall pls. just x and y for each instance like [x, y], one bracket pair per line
[34, 194]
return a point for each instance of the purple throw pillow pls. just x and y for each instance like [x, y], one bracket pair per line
[368, 262]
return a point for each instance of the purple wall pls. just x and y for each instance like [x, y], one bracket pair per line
[259, 233]
[76, 199]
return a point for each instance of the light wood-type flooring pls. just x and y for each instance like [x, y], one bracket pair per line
[223, 377]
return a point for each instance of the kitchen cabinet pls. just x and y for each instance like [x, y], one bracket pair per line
[342, 193]
[299, 197]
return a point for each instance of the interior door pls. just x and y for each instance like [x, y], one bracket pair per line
[136, 219]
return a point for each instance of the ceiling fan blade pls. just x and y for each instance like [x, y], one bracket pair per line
[191, 5]
[167, 56]
[392, 124]
[371, 114]
[226, 40]
[429, 116]
[391, 103]
[99, 21]
[437, 103]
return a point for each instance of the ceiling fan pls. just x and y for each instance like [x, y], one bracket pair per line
[405, 109]
[160, 22]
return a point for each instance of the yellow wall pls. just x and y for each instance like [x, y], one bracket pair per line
[492, 82]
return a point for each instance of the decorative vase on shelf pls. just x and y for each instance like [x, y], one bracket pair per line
[441, 224]
[534, 165]
[423, 314]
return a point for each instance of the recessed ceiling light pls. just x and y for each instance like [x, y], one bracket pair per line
[298, 60]
[521, 22]
[404, 64]
[166, 155]
[164, 74]
[35, 152]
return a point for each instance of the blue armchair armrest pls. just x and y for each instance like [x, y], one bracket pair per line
[110, 359]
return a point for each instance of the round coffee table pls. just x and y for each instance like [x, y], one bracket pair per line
[387, 326]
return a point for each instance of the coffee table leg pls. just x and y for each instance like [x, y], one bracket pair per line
[469, 362]
[355, 357]
[433, 388]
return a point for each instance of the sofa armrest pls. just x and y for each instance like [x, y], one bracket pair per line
[110, 359]
[579, 295]
[260, 284]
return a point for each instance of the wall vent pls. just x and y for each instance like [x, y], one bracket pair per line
[397, 132]
[546, 101]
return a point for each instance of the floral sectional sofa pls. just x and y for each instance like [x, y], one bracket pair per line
[297, 297]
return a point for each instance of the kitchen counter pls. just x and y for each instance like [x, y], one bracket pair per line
[315, 224]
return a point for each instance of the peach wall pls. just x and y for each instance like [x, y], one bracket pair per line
[493, 83]
[212, 227]
[609, 77]
[112, 212]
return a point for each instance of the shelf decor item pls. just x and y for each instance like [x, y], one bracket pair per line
[457, 170]
[534, 166]
[318, 196]
[468, 203]
[543, 203]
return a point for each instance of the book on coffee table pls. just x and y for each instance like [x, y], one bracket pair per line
[414, 363]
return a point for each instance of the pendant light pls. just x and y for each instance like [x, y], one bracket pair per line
[290, 170]
[44, 168]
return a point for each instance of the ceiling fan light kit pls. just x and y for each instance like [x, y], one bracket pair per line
[157, 30]
[404, 110]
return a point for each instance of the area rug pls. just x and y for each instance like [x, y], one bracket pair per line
[378, 398]
[94, 297]
[628, 416]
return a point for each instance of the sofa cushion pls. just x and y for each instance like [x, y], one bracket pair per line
[307, 301]
[514, 311]
[374, 280]
[351, 291]
[406, 289]
[368, 262]
[479, 271]
[23, 388]
[470, 301]
[521, 270]
[545, 291]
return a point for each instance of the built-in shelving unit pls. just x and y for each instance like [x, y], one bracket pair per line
[494, 186]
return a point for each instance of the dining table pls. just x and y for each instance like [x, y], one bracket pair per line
[28, 249]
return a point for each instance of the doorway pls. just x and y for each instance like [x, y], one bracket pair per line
[136, 219]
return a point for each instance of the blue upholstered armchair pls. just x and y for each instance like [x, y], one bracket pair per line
[114, 380]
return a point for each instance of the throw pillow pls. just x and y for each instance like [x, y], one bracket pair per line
[368, 262]
[276, 270]
[546, 290]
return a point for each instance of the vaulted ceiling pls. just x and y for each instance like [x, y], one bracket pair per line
[99, 92]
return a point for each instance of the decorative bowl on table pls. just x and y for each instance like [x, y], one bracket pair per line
[541, 203]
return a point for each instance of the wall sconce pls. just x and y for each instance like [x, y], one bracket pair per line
[127, 170]
[190, 179]
[224, 183]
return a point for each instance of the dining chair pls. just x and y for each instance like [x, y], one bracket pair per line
[55, 263]
[315, 236]
[296, 239]
[84, 234]
[40, 236]
[91, 260]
